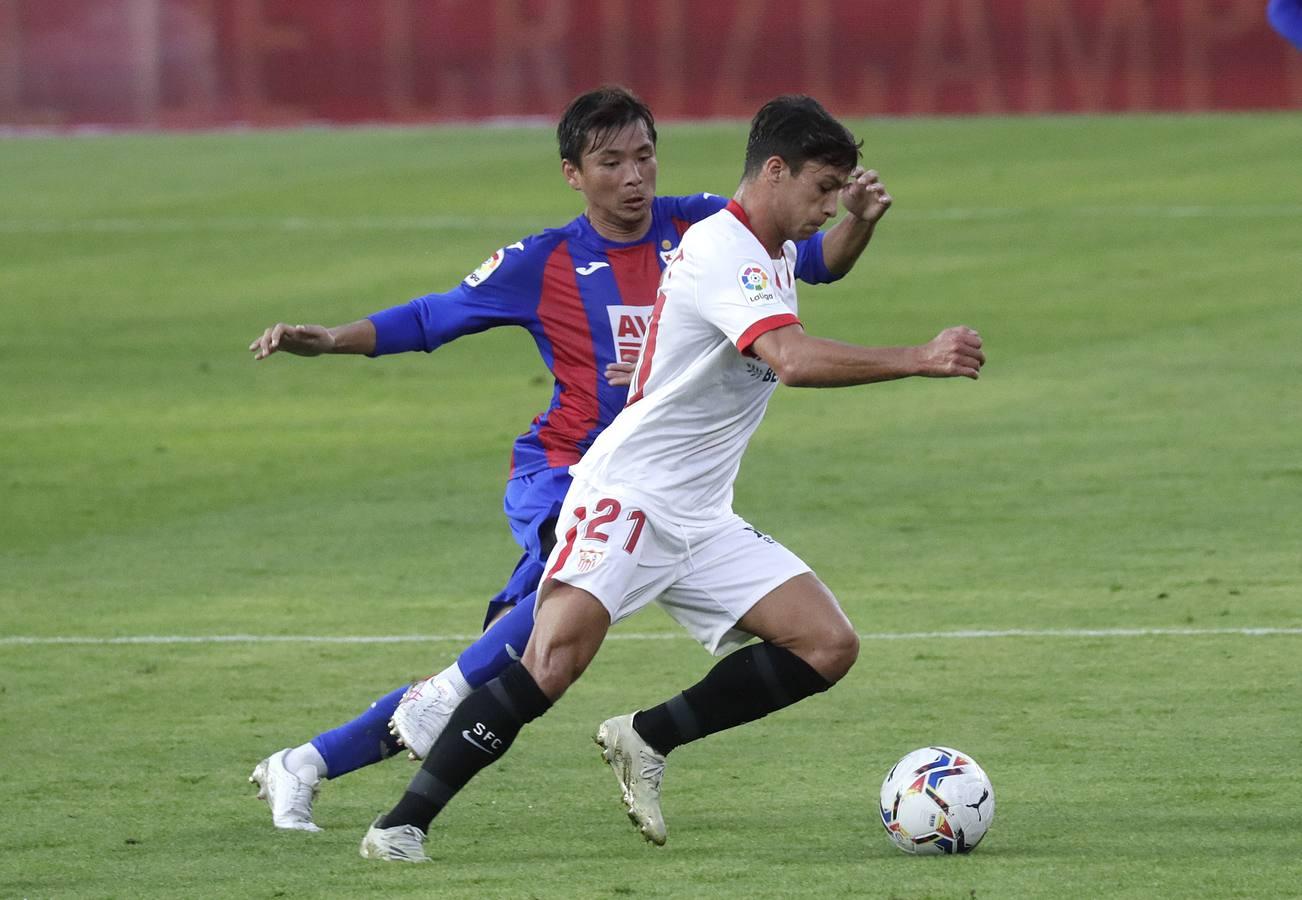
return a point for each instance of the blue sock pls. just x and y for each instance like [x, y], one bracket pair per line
[363, 741]
[499, 646]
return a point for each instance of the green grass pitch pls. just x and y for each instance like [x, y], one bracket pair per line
[1130, 460]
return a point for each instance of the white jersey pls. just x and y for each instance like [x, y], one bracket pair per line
[698, 394]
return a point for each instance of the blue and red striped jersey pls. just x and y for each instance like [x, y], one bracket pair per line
[586, 301]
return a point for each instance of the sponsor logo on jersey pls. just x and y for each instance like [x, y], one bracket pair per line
[628, 326]
[591, 267]
[589, 560]
[755, 285]
[489, 266]
[763, 373]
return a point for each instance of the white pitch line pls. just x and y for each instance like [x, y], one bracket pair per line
[18, 640]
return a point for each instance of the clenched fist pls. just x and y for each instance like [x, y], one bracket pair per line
[954, 352]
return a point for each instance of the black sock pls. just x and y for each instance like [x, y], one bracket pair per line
[481, 729]
[742, 687]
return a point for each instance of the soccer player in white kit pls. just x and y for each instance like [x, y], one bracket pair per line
[649, 515]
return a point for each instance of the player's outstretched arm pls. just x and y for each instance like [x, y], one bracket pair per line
[866, 200]
[314, 340]
[802, 360]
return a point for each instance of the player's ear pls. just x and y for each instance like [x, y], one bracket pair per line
[573, 174]
[774, 168]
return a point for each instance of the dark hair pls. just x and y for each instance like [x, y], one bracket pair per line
[593, 118]
[797, 129]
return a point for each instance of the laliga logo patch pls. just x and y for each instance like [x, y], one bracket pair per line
[489, 266]
[753, 278]
[486, 268]
[755, 285]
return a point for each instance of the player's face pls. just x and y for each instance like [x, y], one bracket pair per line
[618, 180]
[810, 198]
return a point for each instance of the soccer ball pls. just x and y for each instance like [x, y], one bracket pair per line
[937, 800]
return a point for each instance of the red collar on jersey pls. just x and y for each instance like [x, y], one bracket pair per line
[735, 208]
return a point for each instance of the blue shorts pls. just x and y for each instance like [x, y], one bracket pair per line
[532, 504]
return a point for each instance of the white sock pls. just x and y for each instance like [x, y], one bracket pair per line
[305, 757]
[452, 675]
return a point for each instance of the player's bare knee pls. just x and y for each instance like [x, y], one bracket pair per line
[833, 651]
[552, 672]
[553, 665]
[844, 651]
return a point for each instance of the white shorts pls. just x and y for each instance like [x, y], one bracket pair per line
[706, 577]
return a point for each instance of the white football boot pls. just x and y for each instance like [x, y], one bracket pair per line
[423, 713]
[639, 770]
[402, 843]
[289, 795]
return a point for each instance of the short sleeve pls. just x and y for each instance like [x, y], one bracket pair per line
[740, 298]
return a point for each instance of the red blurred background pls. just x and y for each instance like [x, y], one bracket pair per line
[197, 63]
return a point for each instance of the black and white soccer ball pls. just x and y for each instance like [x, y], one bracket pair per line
[937, 800]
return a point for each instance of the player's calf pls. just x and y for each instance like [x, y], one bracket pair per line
[480, 731]
[742, 687]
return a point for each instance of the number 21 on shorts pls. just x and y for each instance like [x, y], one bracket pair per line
[609, 521]
[607, 511]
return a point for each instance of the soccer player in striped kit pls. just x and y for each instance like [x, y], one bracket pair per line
[649, 517]
[584, 292]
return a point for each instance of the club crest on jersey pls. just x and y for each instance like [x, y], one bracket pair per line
[755, 285]
[489, 266]
[589, 559]
[628, 326]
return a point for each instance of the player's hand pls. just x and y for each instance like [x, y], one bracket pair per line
[620, 374]
[301, 340]
[864, 196]
[952, 353]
